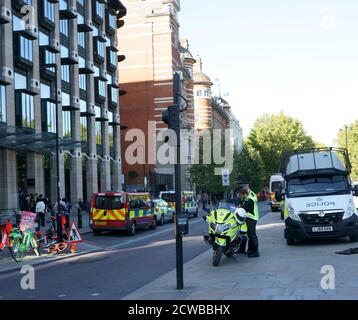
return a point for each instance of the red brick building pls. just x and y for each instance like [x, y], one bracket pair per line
[150, 42]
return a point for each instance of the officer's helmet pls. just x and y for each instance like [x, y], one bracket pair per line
[240, 215]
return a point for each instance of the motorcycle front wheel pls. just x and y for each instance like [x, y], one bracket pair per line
[16, 250]
[217, 254]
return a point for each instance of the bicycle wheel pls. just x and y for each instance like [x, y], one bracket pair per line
[61, 247]
[16, 250]
[51, 248]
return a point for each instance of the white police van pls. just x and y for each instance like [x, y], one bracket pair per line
[319, 197]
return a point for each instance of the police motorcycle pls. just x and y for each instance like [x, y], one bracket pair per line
[227, 230]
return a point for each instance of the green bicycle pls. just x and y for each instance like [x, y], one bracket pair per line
[21, 242]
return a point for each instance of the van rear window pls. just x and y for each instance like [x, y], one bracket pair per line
[276, 186]
[168, 197]
[109, 203]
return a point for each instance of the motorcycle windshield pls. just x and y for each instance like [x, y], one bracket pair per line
[228, 206]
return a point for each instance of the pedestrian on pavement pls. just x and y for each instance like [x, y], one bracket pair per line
[40, 211]
[250, 205]
[32, 205]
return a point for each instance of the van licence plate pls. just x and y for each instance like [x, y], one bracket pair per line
[322, 229]
[100, 223]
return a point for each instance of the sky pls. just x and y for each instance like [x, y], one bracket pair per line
[296, 56]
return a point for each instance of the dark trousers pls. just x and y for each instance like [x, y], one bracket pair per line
[251, 233]
[40, 220]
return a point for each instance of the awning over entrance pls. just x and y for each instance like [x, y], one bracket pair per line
[24, 140]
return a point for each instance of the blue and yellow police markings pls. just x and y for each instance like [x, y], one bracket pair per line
[141, 213]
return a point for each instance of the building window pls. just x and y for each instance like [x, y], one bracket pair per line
[111, 136]
[50, 117]
[113, 58]
[100, 9]
[101, 47]
[64, 51]
[114, 95]
[20, 81]
[64, 27]
[50, 57]
[82, 40]
[207, 93]
[25, 48]
[84, 129]
[102, 88]
[95, 32]
[2, 104]
[83, 83]
[65, 73]
[199, 93]
[63, 5]
[44, 39]
[65, 99]
[81, 2]
[17, 24]
[98, 133]
[112, 21]
[45, 91]
[49, 10]
[66, 119]
[80, 18]
[27, 111]
[83, 105]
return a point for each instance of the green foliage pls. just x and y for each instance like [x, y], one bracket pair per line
[352, 135]
[249, 167]
[272, 135]
[203, 175]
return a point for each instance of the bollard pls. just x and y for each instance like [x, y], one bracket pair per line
[79, 216]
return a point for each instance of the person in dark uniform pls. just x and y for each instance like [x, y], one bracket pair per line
[249, 203]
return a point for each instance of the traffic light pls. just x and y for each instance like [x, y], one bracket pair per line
[171, 117]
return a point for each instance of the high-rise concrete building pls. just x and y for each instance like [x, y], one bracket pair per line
[72, 46]
[150, 40]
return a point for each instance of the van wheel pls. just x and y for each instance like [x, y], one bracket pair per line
[290, 241]
[133, 229]
[97, 232]
[353, 238]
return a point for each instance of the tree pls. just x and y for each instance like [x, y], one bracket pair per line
[352, 135]
[249, 167]
[272, 135]
[203, 175]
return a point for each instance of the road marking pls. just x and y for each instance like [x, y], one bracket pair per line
[148, 236]
[95, 294]
[61, 295]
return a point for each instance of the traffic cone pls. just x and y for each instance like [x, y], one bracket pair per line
[73, 248]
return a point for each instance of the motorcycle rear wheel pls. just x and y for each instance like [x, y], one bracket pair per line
[217, 254]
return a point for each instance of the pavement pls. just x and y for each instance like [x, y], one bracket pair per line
[281, 273]
[7, 263]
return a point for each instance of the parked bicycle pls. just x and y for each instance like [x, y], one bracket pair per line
[21, 242]
[49, 241]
